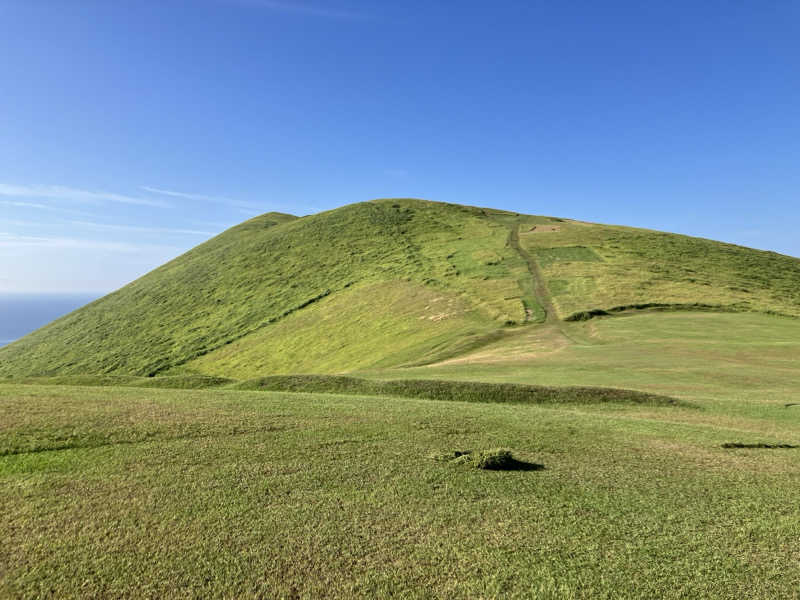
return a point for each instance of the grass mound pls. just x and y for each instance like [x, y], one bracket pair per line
[459, 391]
[184, 382]
[585, 315]
[177, 382]
[426, 389]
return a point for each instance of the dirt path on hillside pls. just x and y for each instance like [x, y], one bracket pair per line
[539, 287]
[531, 342]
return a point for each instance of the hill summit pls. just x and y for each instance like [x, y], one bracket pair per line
[390, 283]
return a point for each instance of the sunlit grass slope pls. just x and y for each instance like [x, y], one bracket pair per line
[371, 325]
[590, 267]
[390, 283]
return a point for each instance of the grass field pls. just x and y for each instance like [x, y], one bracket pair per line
[122, 492]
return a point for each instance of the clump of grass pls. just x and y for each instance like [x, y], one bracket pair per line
[499, 459]
[450, 456]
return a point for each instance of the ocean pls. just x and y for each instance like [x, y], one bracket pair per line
[22, 313]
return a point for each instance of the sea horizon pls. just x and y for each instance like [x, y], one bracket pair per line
[23, 312]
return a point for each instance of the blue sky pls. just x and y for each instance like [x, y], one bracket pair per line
[132, 131]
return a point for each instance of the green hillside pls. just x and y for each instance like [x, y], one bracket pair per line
[390, 283]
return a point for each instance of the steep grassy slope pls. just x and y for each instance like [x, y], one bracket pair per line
[262, 271]
[391, 283]
[366, 326]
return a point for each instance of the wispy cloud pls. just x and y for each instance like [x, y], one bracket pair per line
[38, 206]
[10, 240]
[107, 227]
[303, 8]
[22, 223]
[60, 192]
[203, 198]
[187, 196]
[23, 204]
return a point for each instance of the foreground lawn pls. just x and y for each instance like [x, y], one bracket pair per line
[110, 492]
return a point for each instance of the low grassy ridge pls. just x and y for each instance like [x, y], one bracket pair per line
[452, 391]
[458, 391]
[129, 492]
[387, 284]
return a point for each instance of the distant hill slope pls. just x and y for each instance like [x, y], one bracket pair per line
[386, 283]
[600, 267]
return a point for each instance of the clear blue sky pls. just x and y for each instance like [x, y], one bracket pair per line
[132, 131]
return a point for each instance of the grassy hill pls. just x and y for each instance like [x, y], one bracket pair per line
[655, 451]
[389, 283]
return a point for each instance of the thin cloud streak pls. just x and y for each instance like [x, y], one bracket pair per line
[38, 206]
[301, 8]
[23, 204]
[201, 197]
[105, 226]
[175, 194]
[10, 240]
[60, 192]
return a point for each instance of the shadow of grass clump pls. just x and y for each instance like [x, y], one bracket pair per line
[758, 445]
[499, 459]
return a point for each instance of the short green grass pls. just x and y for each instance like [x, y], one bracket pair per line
[374, 325]
[122, 492]
[111, 491]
